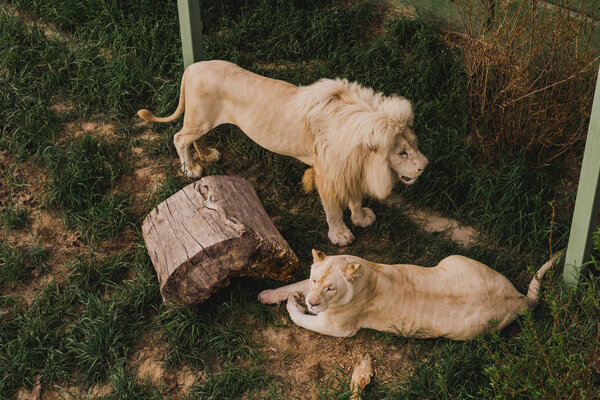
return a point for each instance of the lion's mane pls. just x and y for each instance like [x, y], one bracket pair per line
[353, 129]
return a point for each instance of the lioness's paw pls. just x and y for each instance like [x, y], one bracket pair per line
[192, 171]
[342, 237]
[292, 305]
[364, 219]
[272, 296]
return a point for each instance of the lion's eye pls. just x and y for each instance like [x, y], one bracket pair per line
[330, 289]
[313, 281]
[403, 153]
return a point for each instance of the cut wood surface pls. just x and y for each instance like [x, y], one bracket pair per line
[211, 230]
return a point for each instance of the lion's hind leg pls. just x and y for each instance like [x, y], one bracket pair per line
[206, 154]
[183, 140]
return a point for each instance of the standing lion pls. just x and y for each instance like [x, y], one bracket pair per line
[358, 142]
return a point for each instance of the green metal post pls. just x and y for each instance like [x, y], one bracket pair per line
[587, 203]
[190, 27]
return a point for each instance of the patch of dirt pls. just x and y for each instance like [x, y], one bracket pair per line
[50, 30]
[75, 392]
[22, 185]
[145, 174]
[431, 221]
[80, 127]
[61, 108]
[146, 361]
[305, 357]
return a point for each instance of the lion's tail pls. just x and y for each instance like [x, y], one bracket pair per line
[147, 115]
[534, 286]
[308, 180]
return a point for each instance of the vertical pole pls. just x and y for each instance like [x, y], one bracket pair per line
[588, 199]
[190, 27]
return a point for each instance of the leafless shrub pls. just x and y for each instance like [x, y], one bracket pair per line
[531, 69]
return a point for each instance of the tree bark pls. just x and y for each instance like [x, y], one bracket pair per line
[211, 230]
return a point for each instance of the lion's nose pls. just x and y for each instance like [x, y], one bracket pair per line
[313, 304]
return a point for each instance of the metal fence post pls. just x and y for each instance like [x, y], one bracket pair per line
[588, 199]
[190, 27]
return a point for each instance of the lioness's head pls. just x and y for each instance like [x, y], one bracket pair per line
[405, 158]
[331, 281]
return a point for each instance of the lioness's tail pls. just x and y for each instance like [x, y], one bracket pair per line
[146, 115]
[534, 286]
[308, 180]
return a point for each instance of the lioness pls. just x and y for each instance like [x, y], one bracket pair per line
[457, 299]
[358, 142]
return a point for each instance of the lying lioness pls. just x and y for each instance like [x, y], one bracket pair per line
[457, 299]
[360, 143]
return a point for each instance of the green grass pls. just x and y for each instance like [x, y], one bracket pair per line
[230, 383]
[33, 340]
[103, 220]
[201, 339]
[14, 217]
[17, 262]
[122, 56]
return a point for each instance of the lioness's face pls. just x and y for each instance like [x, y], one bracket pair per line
[329, 284]
[405, 158]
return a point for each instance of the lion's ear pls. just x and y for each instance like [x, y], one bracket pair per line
[318, 255]
[382, 135]
[351, 271]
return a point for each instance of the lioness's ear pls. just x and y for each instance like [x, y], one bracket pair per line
[318, 255]
[351, 270]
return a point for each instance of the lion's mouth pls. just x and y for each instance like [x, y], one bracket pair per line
[406, 179]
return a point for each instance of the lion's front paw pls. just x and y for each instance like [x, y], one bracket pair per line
[341, 237]
[192, 171]
[365, 218]
[272, 296]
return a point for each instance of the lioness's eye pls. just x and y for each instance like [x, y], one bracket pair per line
[330, 289]
[403, 153]
[313, 281]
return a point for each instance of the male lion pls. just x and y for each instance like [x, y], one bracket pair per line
[358, 142]
[458, 299]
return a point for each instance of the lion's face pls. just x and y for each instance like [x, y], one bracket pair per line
[330, 282]
[405, 158]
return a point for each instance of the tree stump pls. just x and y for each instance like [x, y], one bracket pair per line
[211, 230]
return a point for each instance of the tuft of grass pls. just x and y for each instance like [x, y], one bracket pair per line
[32, 340]
[334, 386]
[125, 386]
[104, 219]
[16, 262]
[14, 217]
[81, 173]
[165, 188]
[93, 275]
[108, 327]
[230, 383]
[197, 340]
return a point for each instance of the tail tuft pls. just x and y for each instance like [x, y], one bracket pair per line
[308, 180]
[146, 115]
